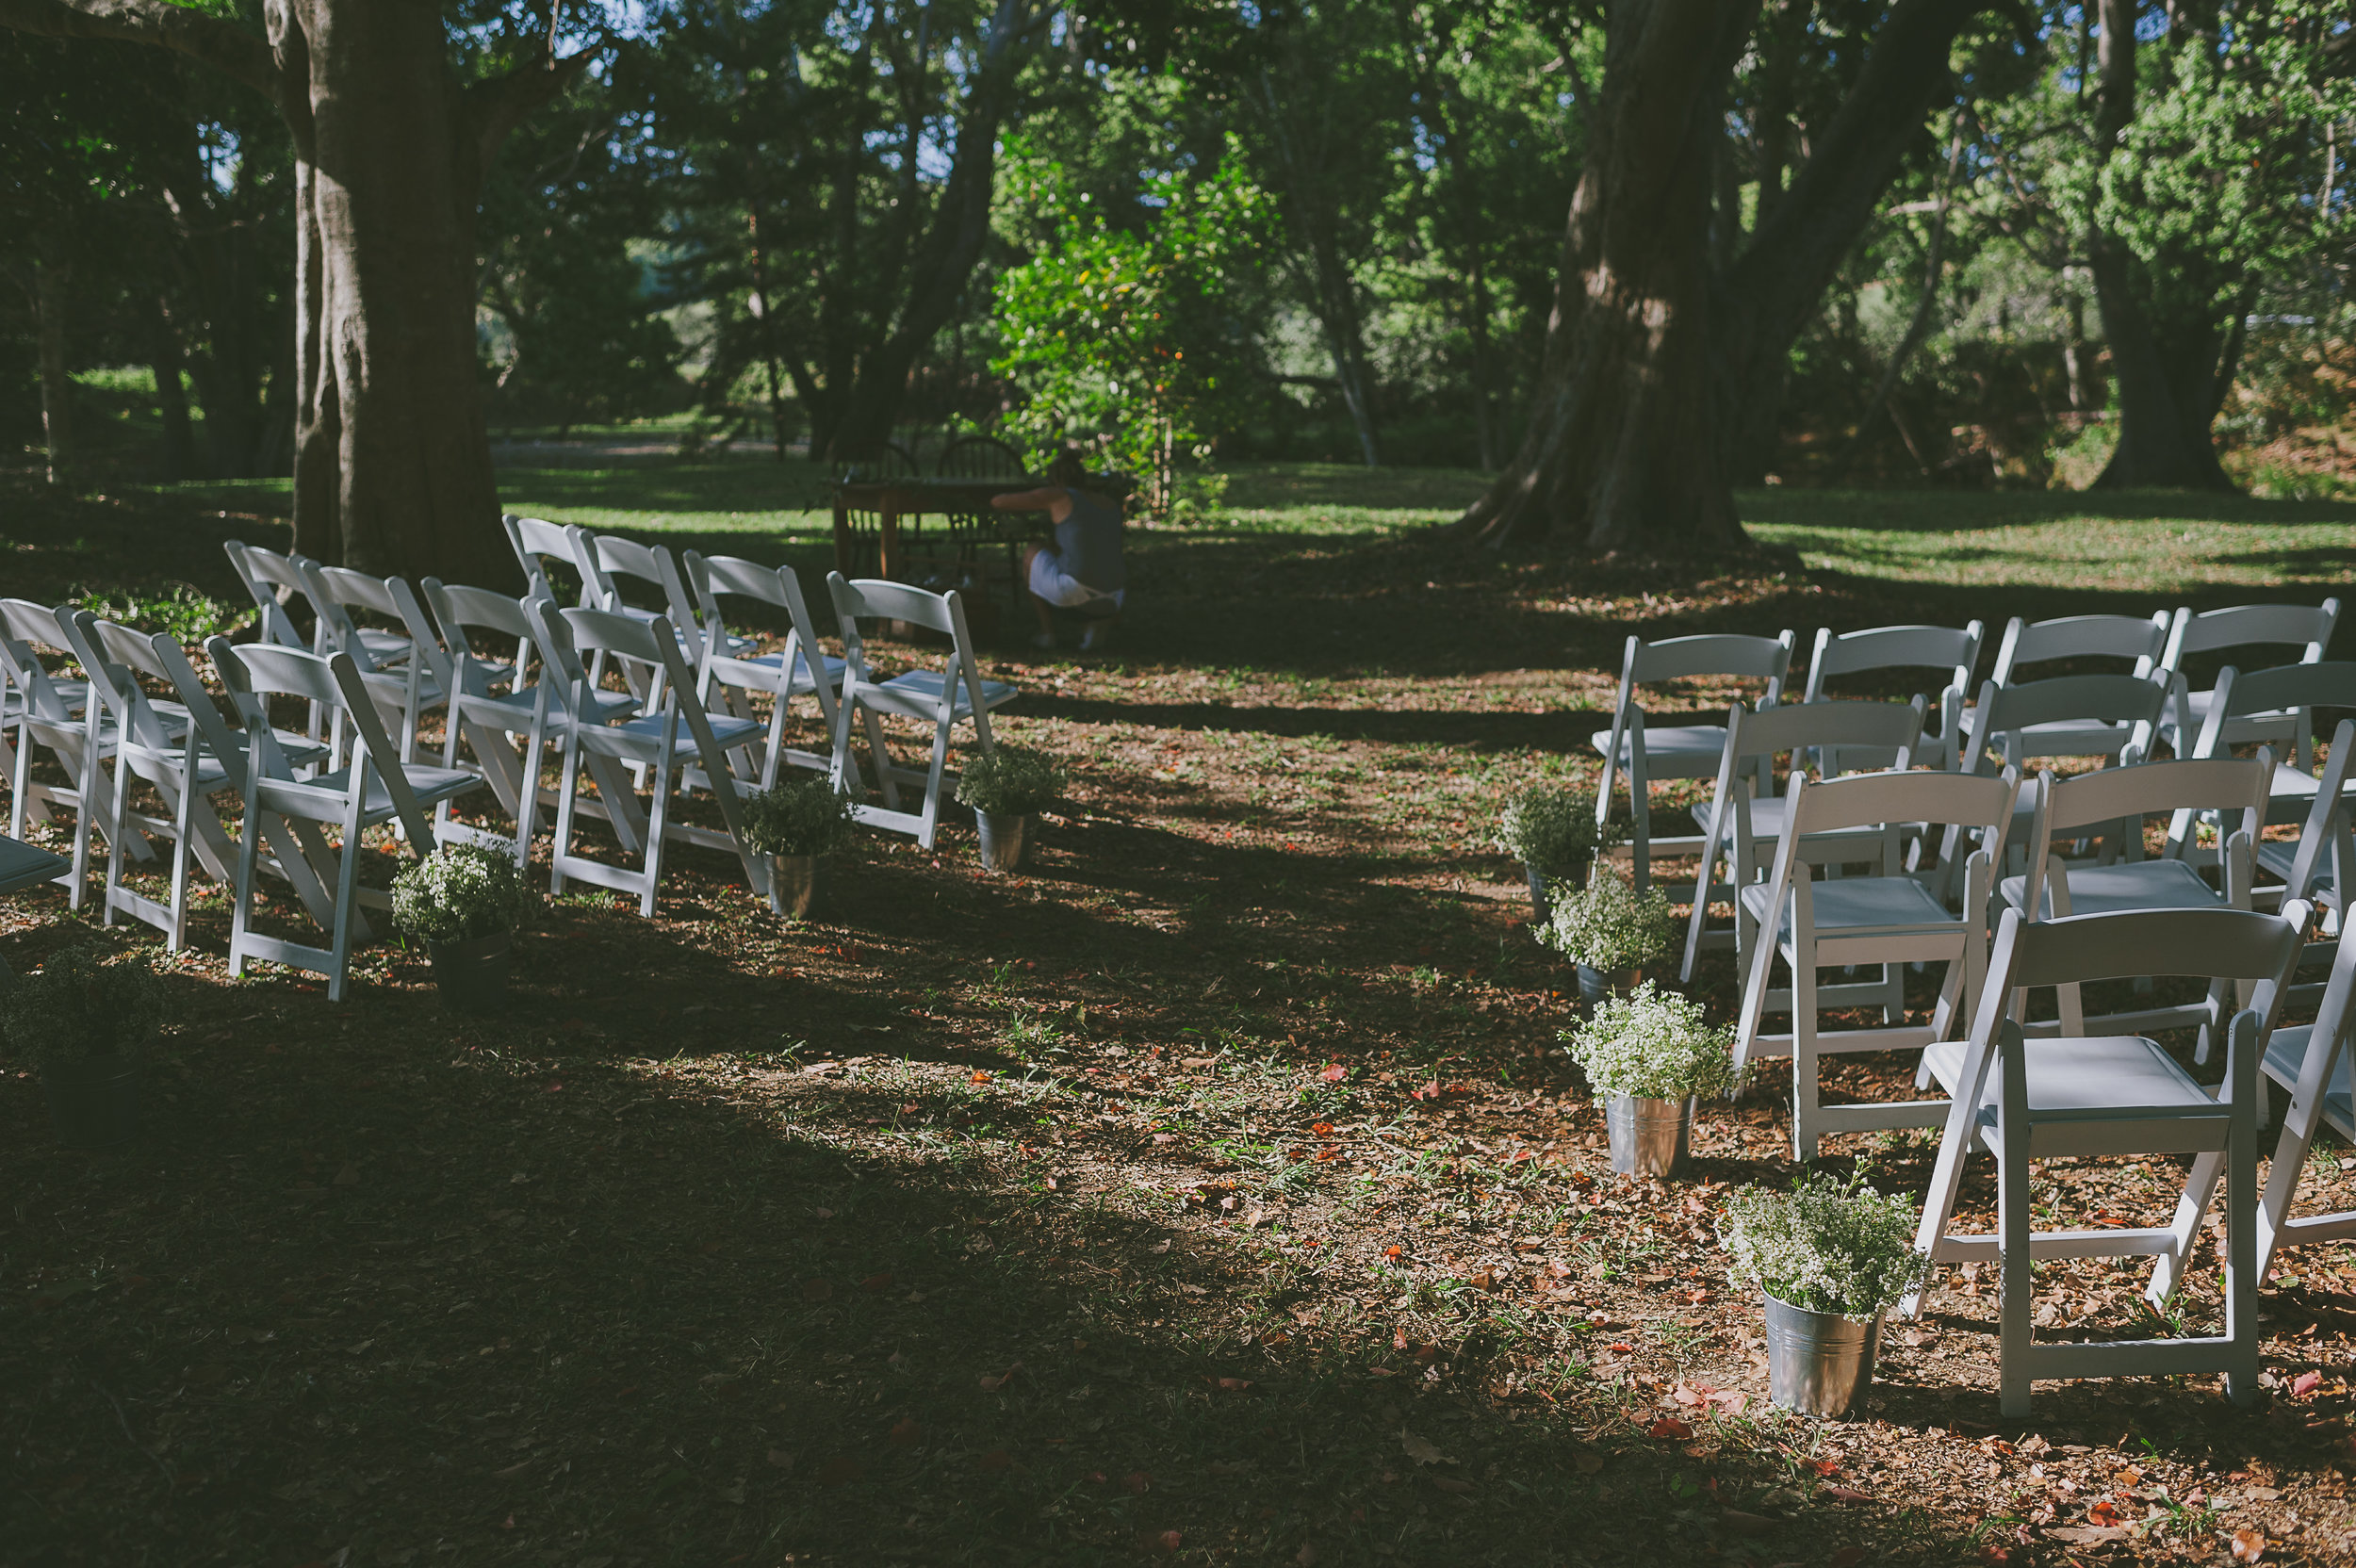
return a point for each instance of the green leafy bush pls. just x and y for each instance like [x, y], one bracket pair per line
[1608, 924]
[460, 892]
[1654, 1045]
[84, 1004]
[1011, 781]
[1825, 1245]
[1548, 826]
[798, 816]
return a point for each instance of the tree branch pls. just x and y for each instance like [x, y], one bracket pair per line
[497, 105]
[227, 48]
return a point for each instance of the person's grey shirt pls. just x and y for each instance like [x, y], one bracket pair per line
[1088, 545]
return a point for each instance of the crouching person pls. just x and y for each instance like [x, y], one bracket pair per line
[1082, 570]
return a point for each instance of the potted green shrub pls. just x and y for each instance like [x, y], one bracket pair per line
[1649, 1055]
[463, 903]
[1831, 1257]
[798, 824]
[1008, 787]
[84, 1019]
[1610, 931]
[1551, 830]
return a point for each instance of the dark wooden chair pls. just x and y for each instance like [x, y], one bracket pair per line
[882, 461]
[982, 457]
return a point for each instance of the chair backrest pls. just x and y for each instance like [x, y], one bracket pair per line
[458, 609]
[872, 599]
[626, 636]
[1951, 649]
[2148, 789]
[2327, 829]
[776, 587]
[2005, 713]
[2140, 641]
[2213, 944]
[1825, 728]
[537, 541]
[879, 460]
[126, 654]
[610, 556]
[1767, 658]
[255, 672]
[2304, 687]
[1969, 801]
[979, 457]
[265, 574]
[27, 627]
[2307, 627]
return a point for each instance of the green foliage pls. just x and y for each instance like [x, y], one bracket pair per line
[85, 1003]
[1655, 1045]
[798, 816]
[1608, 924]
[185, 611]
[1548, 826]
[1125, 335]
[460, 892]
[1824, 1246]
[1011, 781]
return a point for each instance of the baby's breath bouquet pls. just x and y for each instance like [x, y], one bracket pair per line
[798, 816]
[1654, 1045]
[460, 892]
[1608, 924]
[1548, 826]
[1824, 1246]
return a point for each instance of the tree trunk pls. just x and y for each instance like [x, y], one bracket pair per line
[53, 282]
[2078, 359]
[393, 467]
[1618, 453]
[171, 399]
[1337, 297]
[2167, 375]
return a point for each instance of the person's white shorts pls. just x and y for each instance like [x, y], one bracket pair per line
[1049, 583]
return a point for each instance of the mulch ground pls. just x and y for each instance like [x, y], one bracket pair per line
[1215, 1190]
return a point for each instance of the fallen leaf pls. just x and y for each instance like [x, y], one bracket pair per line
[992, 1385]
[1848, 1557]
[1322, 1129]
[1137, 1482]
[1308, 1557]
[1166, 1543]
[838, 1472]
[1335, 1073]
[782, 1460]
[2305, 1384]
[1228, 1385]
[2104, 1512]
[997, 1459]
[1993, 1555]
[980, 1077]
[1749, 1524]
[1418, 1450]
[1586, 1461]
[2248, 1545]
[908, 1433]
[1160, 1246]
[1449, 1483]
[1669, 1429]
[876, 1284]
[1847, 1495]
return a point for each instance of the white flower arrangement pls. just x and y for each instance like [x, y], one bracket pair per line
[1824, 1246]
[461, 891]
[1608, 924]
[1547, 827]
[1654, 1045]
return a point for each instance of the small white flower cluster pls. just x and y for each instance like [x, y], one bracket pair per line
[1608, 924]
[1655, 1046]
[1547, 827]
[1825, 1245]
[460, 891]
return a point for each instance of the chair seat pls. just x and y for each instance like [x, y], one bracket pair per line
[648, 729]
[2076, 737]
[2128, 886]
[2110, 1078]
[386, 647]
[74, 694]
[1671, 750]
[428, 784]
[925, 687]
[2277, 856]
[771, 665]
[2286, 1057]
[1896, 905]
[22, 865]
[520, 704]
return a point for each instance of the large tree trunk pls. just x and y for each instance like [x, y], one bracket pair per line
[1618, 454]
[171, 399]
[53, 282]
[2168, 380]
[393, 462]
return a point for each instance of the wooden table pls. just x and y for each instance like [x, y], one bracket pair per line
[896, 498]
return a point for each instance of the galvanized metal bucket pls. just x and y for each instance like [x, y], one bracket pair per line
[1819, 1362]
[1541, 903]
[1596, 984]
[1649, 1138]
[1004, 840]
[797, 885]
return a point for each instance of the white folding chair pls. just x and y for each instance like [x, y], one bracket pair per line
[1892, 918]
[183, 750]
[2307, 628]
[953, 694]
[2318, 865]
[275, 581]
[2137, 641]
[2074, 715]
[408, 670]
[1744, 818]
[1950, 651]
[2112, 1095]
[56, 715]
[1646, 753]
[375, 787]
[730, 666]
[605, 557]
[2105, 812]
[2313, 1061]
[538, 544]
[660, 741]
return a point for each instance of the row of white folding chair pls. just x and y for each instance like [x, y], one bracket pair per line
[2088, 1097]
[736, 671]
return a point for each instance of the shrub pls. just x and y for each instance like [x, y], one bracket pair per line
[1825, 1245]
[84, 1004]
[1608, 924]
[798, 816]
[460, 892]
[1655, 1046]
[1547, 827]
[1011, 781]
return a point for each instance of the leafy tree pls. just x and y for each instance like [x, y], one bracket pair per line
[1127, 332]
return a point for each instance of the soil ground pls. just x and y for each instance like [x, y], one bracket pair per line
[1215, 1190]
